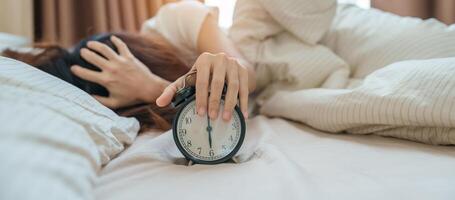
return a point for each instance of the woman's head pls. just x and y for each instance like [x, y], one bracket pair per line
[152, 50]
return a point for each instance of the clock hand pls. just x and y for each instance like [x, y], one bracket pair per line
[209, 130]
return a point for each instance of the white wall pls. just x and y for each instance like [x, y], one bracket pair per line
[16, 17]
[360, 3]
[226, 10]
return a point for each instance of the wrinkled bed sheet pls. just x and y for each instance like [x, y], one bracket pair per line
[284, 160]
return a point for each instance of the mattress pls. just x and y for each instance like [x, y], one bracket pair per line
[284, 160]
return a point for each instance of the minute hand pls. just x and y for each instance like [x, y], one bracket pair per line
[209, 130]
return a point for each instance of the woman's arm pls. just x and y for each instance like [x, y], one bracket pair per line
[129, 81]
[219, 63]
[213, 40]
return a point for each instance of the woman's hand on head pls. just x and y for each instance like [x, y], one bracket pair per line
[123, 75]
[213, 72]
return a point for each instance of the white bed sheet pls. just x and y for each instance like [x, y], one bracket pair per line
[290, 161]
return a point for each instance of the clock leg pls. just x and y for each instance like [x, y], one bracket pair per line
[190, 163]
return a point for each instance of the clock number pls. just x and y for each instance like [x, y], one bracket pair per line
[231, 138]
[200, 149]
[235, 126]
[187, 120]
[182, 132]
[188, 143]
[211, 153]
[224, 147]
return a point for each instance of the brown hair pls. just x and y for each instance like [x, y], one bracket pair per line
[152, 50]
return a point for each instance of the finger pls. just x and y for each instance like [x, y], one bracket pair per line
[243, 91]
[216, 86]
[87, 74]
[232, 91]
[166, 97]
[107, 101]
[121, 46]
[203, 66]
[103, 49]
[168, 93]
[94, 58]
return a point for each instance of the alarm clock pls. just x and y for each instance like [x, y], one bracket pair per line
[200, 139]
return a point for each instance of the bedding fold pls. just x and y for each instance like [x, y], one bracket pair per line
[411, 100]
[369, 73]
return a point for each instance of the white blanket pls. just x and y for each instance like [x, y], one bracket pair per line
[411, 100]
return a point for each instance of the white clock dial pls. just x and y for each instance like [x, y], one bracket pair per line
[206, 139]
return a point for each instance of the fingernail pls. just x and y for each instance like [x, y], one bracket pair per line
[89, 43]
[213, 114]
[201, 111]
[226, 115]
[245, 115]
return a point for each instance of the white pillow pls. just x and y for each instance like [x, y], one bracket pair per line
[54, 137]
[371, 39]
[9, 40]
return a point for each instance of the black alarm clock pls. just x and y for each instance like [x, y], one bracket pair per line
[200, 139]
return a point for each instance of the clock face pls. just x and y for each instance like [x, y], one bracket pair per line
[208, 141]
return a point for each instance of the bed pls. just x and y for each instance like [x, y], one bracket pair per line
[290, 161]
[57, 142]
